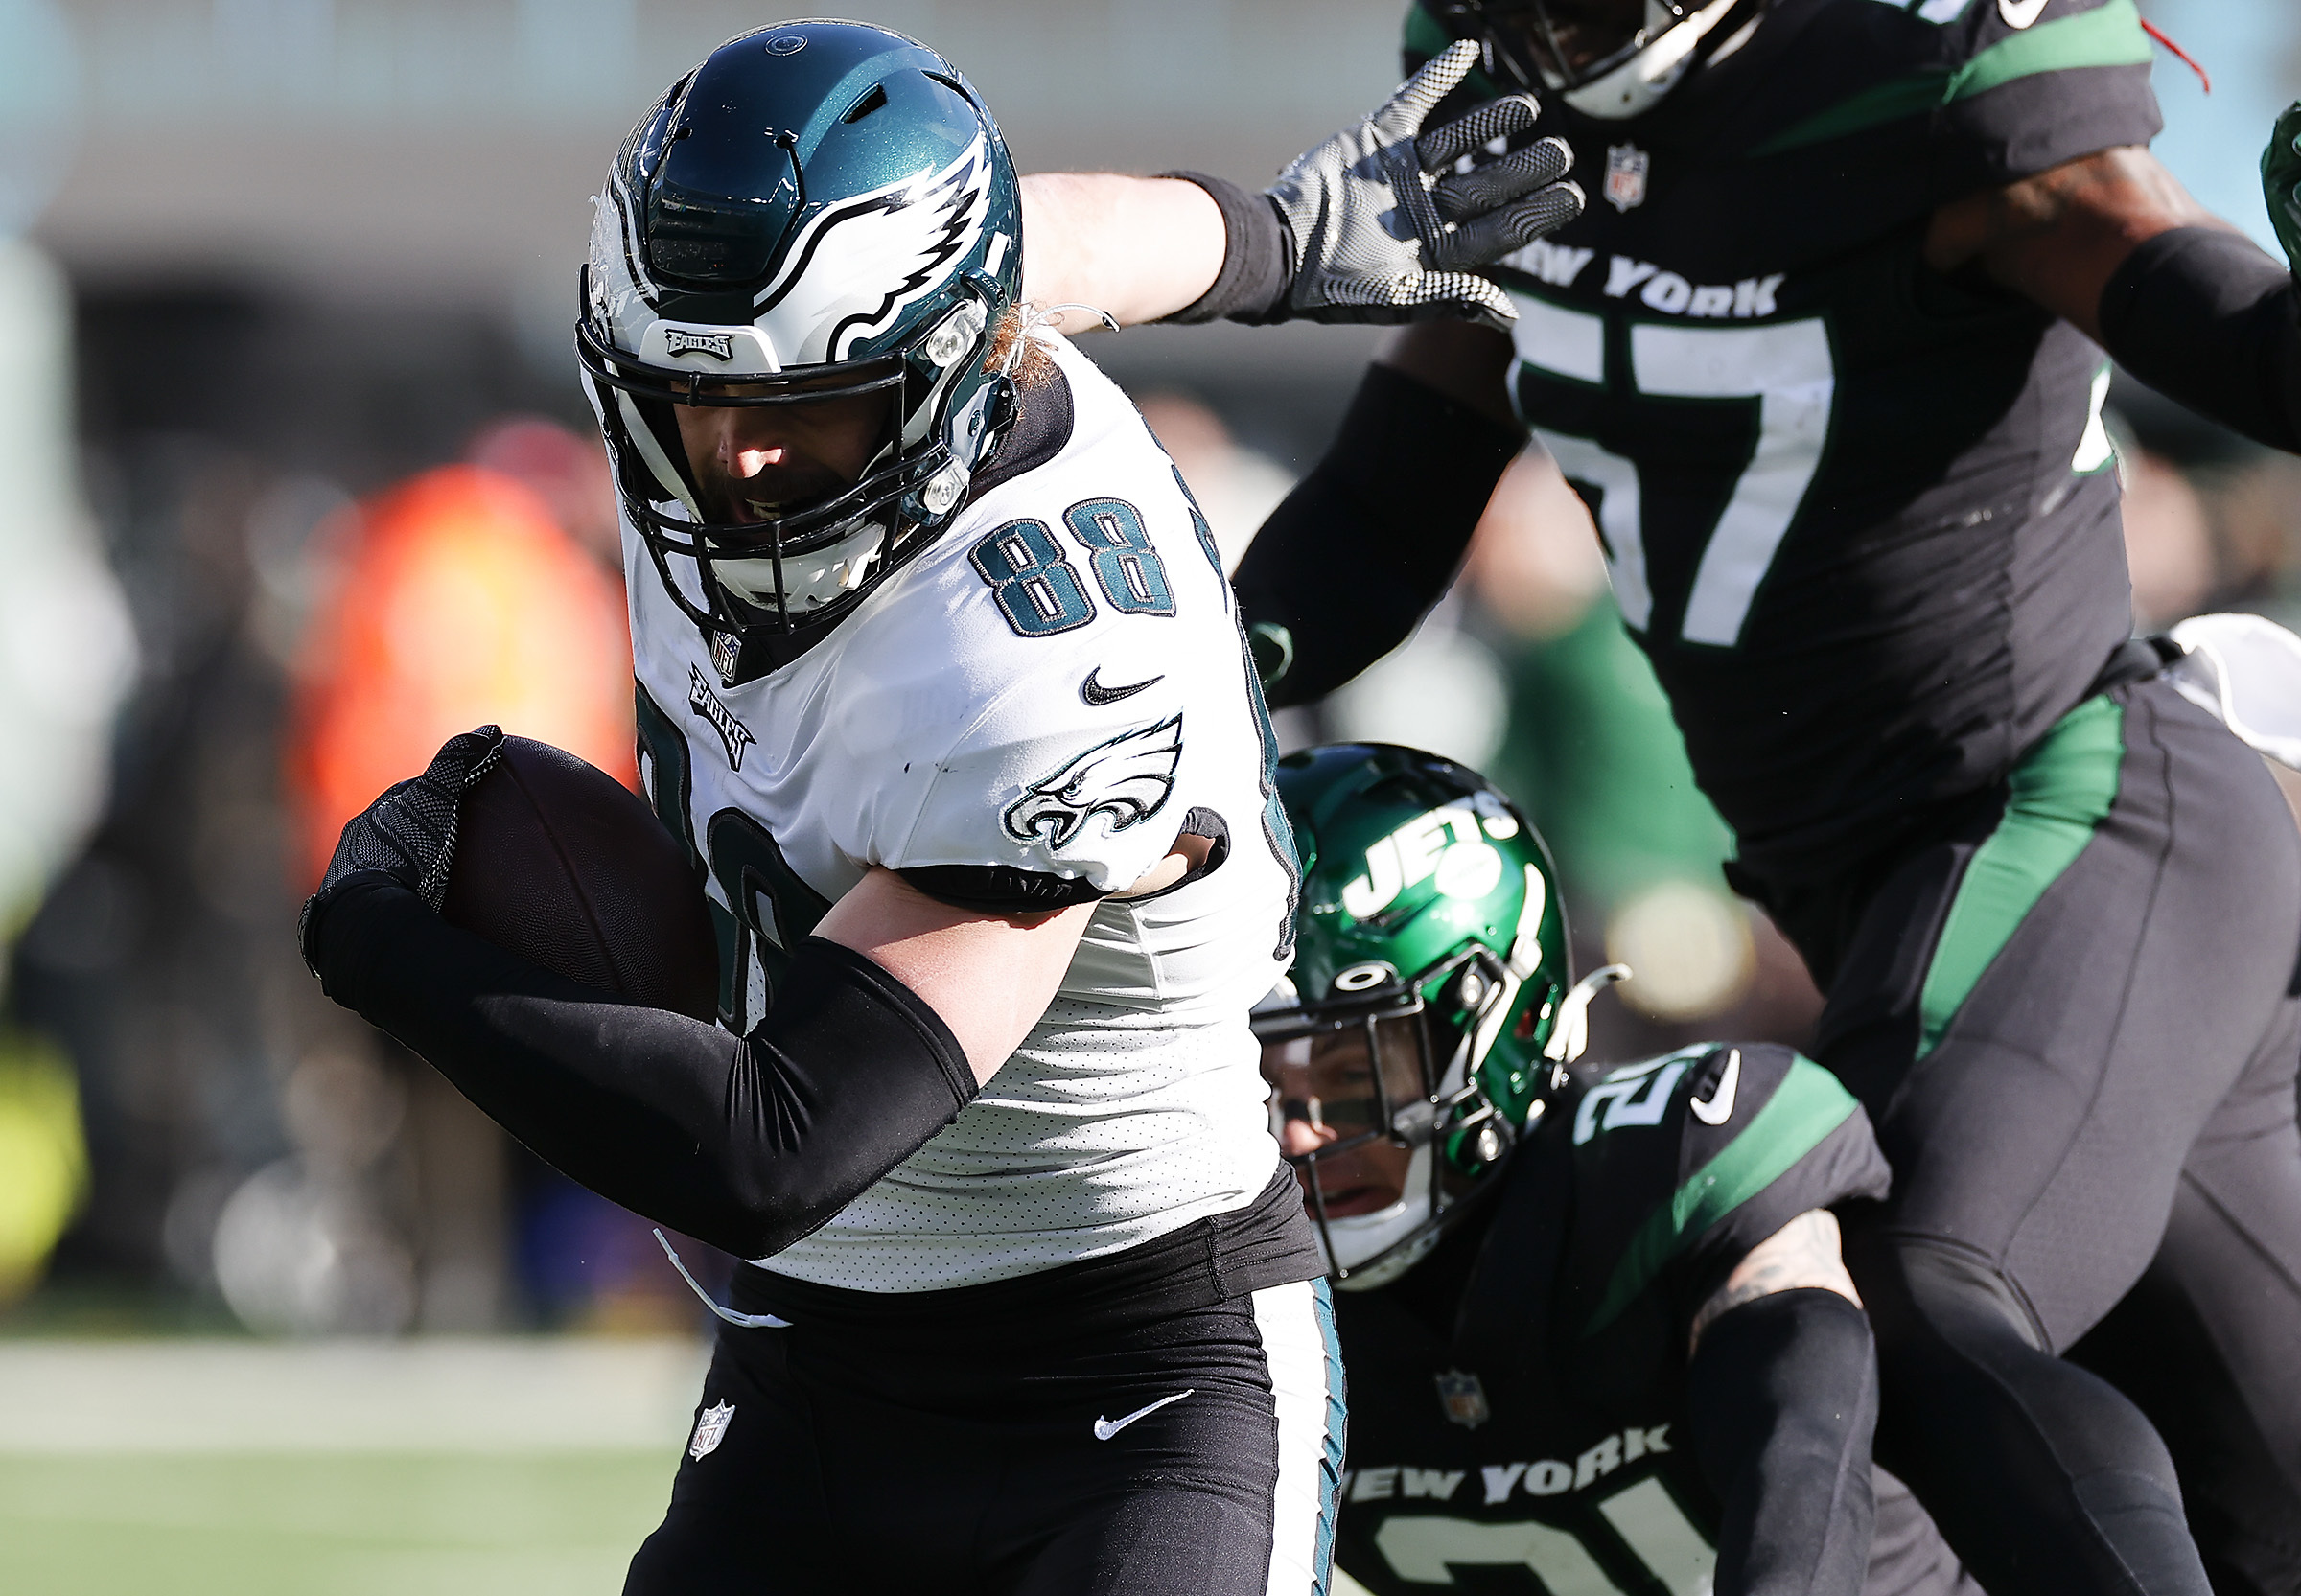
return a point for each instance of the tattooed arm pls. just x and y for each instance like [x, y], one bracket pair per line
[1802, 1253]
[1782, 1399]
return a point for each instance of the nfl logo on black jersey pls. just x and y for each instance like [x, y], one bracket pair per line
[1626, 176]
[1464, 1398]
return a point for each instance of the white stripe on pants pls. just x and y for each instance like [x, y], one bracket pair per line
[1304, 1359]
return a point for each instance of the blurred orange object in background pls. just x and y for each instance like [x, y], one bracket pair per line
[454, 600]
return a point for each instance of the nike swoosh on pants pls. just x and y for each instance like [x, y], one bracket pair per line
[1105, 1429]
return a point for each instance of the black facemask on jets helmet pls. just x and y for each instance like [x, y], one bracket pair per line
[1607, 58]
[822, 213]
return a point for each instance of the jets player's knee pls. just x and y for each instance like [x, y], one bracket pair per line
[1922, 1289]
[1960, 1355]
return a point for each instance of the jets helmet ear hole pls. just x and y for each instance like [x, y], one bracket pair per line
[1365, 978]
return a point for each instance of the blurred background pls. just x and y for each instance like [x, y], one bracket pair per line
[295, 480]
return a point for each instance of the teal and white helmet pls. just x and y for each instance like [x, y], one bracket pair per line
[1430, 1001]
[821, 210]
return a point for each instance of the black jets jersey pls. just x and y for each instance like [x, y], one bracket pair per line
[1862, 516]
[1516, 1399]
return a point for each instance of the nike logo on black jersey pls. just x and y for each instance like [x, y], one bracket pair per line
[1720, 1108]
[1105, 1429]
[1095, 693]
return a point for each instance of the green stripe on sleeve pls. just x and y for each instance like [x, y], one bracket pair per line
[1891, 100]
[1806, 1106]
[2055, 798]
[2107, 36]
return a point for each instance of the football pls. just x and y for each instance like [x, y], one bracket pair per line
[563, 865]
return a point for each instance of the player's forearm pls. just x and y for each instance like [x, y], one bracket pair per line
[1781, 1404]
[1138, 247]
[2202, 315]
[1364, 546]
[747, 1143]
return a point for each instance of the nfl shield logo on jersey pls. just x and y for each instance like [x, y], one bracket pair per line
[727, 654]
[711, 1430]
[1464, 1398]
[1626, 176]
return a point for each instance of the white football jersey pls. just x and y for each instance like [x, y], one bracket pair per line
[1055, 683]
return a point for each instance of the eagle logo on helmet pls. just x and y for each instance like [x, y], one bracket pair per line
[1128, 778]
[855, 266]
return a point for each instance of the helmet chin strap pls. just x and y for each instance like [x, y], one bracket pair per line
[1638, 84]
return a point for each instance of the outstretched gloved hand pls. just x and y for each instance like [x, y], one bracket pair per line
[1383, 230]
[409, 834]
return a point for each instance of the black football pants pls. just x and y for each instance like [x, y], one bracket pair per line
[1190, 1453]
[2072, 1019]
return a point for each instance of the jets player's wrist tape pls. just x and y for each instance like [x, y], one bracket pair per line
[2205, 317]
[748, 1144]
[1258, 266]
[1362, 547]
[1782, 1401]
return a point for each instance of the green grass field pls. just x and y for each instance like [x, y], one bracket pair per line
[421, 1467]
[327, 1524]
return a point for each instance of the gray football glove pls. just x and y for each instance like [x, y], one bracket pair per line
[1378, 235]
[409, 834]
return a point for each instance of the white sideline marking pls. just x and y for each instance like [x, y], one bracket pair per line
[440, 1395]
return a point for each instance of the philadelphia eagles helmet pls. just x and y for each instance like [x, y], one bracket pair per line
[820, 211]
[1607, 58]
[1429, 1001]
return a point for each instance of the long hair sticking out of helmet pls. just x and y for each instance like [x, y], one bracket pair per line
[1413, 1036]
[819, 211]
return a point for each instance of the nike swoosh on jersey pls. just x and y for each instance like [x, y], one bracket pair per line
[1105, 1429]
[2020, 14]
[1720, 1108]
[1094, 692]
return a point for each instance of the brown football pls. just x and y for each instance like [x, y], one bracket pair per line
[562, 864]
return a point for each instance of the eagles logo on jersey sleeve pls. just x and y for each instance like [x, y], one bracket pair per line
[1050, 784]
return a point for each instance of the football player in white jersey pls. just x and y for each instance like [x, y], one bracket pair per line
[942, 690]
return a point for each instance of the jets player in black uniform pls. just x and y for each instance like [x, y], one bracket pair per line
[1596, 1325]
[1824, 353]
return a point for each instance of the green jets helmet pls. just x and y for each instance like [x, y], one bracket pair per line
[1428, 1002]
[821, 211]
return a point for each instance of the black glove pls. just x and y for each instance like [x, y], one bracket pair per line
[1378, 234]
[409, 834]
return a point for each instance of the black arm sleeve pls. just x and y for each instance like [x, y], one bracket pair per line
[1365, 544]
[2204, 316]
[1781, 1402]
[1258, 266]
[747, 1144]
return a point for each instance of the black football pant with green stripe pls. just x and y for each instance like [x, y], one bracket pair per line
[2072, 1017]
